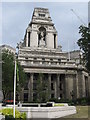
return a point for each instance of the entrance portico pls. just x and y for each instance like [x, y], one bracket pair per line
[58, 86]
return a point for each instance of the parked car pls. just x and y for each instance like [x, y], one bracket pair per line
[9, 102]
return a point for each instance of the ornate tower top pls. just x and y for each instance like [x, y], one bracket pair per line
[41, 15]
[41, 31]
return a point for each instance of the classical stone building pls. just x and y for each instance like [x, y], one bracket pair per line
[9, 48]
[40, 53]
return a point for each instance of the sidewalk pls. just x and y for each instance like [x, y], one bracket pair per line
[2, 117]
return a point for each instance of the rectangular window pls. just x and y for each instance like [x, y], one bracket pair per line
[55, 41]
[34, 96]
[26, 86]
[60, 95]
[34, 86]
[43, 60]
[86, 85]
[25, 97]
[35, 59]
[59, 60]
[28, 39]
[51, 60]
[60, 86]
[52, 86]
[35, 76]
[52, 95]
[42, 15]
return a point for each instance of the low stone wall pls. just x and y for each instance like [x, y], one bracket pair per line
[47, 112]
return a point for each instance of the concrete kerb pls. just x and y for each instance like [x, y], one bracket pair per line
[48, 112]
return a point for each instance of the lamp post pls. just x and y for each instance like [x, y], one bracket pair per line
[14, 89]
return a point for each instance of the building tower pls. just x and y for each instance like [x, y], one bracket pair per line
[41, 31]
[38, 53]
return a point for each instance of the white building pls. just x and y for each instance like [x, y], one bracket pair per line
[39, 53]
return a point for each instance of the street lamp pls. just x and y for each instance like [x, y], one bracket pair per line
[14, 87]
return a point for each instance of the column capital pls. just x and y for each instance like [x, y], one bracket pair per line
[58, 75]
[49, 74]
[31, 73]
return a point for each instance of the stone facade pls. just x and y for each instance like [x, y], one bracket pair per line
[9, 48]
[39, 53]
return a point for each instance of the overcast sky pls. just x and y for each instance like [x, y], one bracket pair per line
[89, 11]
[17, 15]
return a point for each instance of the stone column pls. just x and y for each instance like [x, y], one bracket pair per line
[46, 39]
[50, 40]
[89, 85]
[86, 86]
[49, 85]
[55, 87]
[30, 98]
[66, 87]
[22, 95]
[29, 90]
[58, 86]
[34, 39]
[77, 95]
[27, 39]
[56, 41]
[69, 86]
[83, 86]
[75, 86]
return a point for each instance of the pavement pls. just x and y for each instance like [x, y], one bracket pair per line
[2, 117]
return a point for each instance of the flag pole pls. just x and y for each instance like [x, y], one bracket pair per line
[14, 89]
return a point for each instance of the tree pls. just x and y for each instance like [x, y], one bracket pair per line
[21, 78]
[8, 59]
[7, 73]
[42, 89]
[84, 44]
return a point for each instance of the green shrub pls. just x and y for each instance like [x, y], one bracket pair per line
[78, 101]
[23, 116]
[60, 100]
[82, 101]
[8, 112]
[58, 104]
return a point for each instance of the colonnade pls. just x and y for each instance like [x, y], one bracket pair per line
[55, 86]
[59, 86]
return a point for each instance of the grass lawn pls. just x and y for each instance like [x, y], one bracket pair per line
[82, 112]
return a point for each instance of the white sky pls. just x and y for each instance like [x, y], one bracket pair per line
[17, 15]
